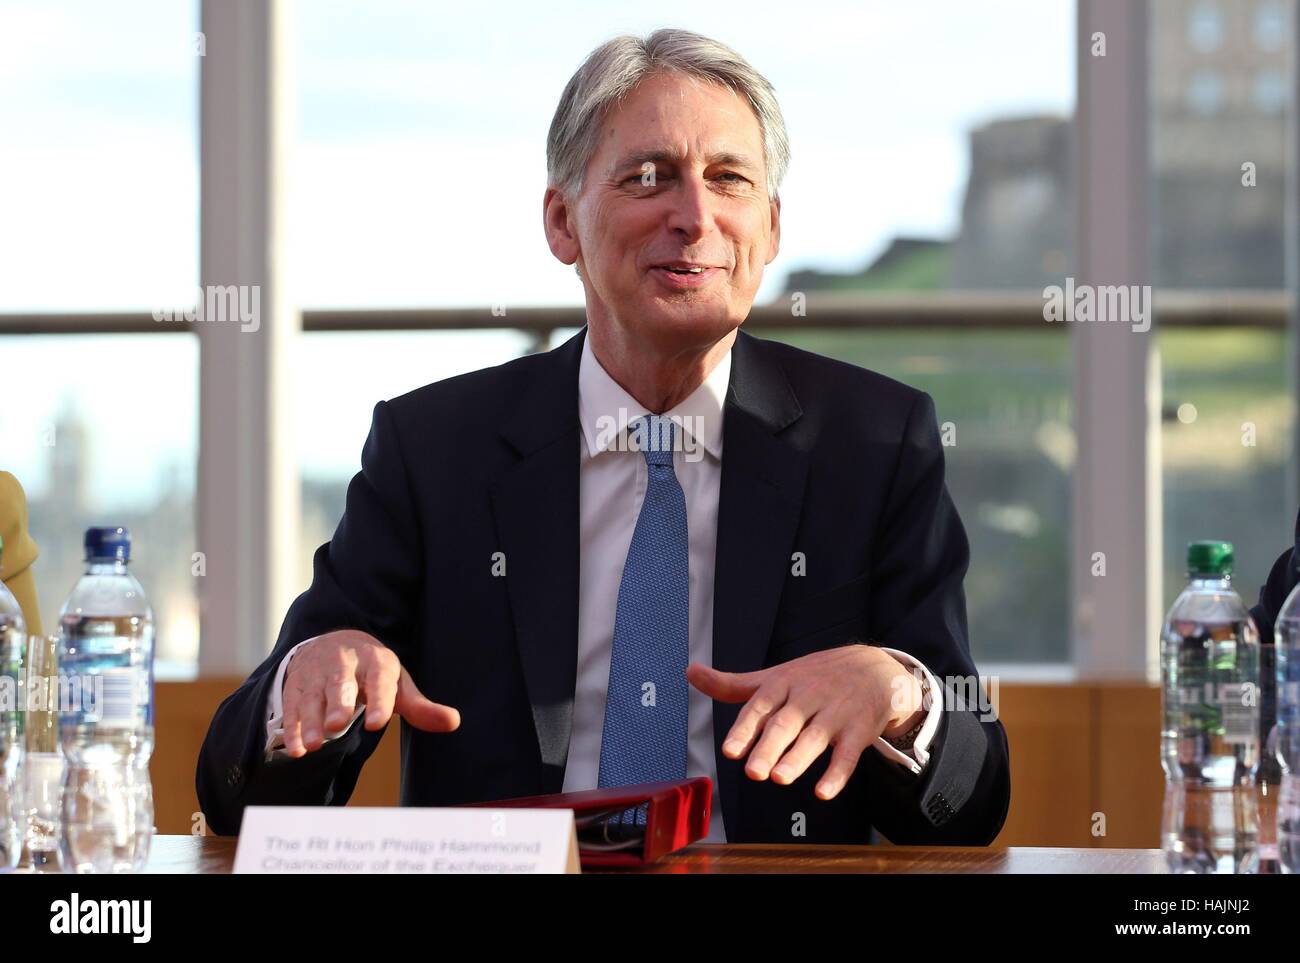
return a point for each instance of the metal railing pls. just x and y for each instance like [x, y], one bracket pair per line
[947, 309]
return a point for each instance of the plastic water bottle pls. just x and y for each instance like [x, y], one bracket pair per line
[1268, 768]
[13, 642]
[106, 712]
[1210, 739]
[1286, 643]
[43, 757]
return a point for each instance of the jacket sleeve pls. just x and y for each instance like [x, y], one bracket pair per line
[1281, 580]
[364, 578]
[919, 606]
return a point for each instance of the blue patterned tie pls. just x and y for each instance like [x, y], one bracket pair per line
[645, 733]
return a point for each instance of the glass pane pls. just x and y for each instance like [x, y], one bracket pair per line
[350, 372]
[419, 166]
[1007, 397]
[1227, 418]
[98, 155]
[1214, 110]
[105, 433]
[1219, 155]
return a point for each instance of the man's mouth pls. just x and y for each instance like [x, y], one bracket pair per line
[685, 273]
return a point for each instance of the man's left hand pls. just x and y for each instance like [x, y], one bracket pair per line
[844, 697]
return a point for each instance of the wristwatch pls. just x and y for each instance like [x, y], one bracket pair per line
[907, 739]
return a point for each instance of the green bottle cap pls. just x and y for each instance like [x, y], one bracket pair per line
[1209, 559]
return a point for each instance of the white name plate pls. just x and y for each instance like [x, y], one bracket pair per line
[349, 840]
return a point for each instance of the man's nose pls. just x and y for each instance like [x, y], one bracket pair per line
[691, 212]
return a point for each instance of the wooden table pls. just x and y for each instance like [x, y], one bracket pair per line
[215, 854]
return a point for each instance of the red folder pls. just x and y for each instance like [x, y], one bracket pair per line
[677, 814]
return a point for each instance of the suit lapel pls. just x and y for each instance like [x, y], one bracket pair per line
[759, 506]
[537, 518]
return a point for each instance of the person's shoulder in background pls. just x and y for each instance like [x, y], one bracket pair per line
[1281, 580]
[19, 550]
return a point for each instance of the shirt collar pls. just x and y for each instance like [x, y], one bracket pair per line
[606, 409]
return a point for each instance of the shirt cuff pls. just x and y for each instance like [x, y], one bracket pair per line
[918, 755]
[275, 710]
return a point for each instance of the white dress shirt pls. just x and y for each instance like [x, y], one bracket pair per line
[612, 482]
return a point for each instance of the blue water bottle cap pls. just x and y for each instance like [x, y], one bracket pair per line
[108, 544]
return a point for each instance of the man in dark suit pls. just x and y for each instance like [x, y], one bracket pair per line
[665, 548]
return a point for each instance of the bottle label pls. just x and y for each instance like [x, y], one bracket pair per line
[1237, 713]
[119, 697]
[1226, 709]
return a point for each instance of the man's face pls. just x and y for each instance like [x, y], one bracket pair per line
[678, 182]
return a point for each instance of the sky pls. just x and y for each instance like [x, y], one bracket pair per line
[416, 171]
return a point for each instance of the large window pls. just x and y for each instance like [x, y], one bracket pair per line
[99, 213]
[933, 157]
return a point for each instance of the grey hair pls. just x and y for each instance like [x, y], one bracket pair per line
[614, 68]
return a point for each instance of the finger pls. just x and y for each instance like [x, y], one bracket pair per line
[779, 732]
[749, 723]
[381, 691]
[812, 742]
[412, 706]
[311, 707]
[291, 722]
[340, 696]
[725, 686]
[844, 760]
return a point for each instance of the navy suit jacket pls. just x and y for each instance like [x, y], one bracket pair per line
[821, 457]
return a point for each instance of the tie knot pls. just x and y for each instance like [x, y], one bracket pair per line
[656, 437]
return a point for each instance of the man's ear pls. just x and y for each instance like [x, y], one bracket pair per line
[557, 223]
[774, 241]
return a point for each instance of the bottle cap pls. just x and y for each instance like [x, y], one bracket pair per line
[108, 544]
[1209, 559]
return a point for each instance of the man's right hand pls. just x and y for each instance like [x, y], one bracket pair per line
[330, 674]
